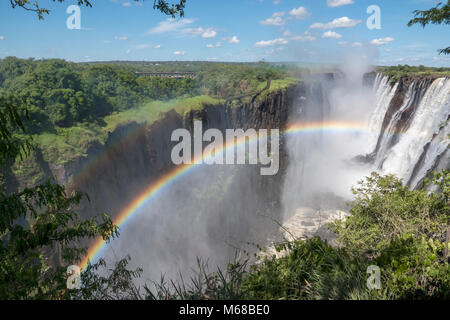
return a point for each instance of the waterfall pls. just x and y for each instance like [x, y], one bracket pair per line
[384, 92]
[408, 135]
[388, 136]
[426, 139]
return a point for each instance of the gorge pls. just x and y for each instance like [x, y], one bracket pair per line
[338, 127]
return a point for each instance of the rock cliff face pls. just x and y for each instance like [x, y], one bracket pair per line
[134, 155]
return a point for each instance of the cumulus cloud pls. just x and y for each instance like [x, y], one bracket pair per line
[209, 33]
[275, 20]
[158, 46]
[343, 22]
[269, 43]
[179, 53]
[382, 41]
[338, 3]
[204, 33]
[233, 39]
[299, 13]
[170, 25]
[331, 35]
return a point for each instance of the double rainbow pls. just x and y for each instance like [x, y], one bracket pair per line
[157, 187]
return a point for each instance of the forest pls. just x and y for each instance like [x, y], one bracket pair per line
[58, 93]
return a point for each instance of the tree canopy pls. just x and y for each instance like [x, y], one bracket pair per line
[436, 15]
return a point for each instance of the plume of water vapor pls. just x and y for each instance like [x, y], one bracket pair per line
[320, 162]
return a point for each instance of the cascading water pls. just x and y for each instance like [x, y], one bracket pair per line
[384, 92]
[406, 133]
[321, 171]
[427, 136]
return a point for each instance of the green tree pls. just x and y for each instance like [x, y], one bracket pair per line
[436, 15]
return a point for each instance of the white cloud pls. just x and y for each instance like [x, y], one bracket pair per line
[276, 1]
[275, 20]
[233, 39]
[2, 38]
[205, 33]
[158, 46]
[382, 41]
[128, 51]
[142, 46]
[331, 35]
[179, 53]
[211, 59]
[299, 13]
[121, 38]
[338, 3]
[170, 25]
[307, 36]
[209, 33]
[286, 33]
[343, 22]
[216, 45]
[269, 43]
[126, 4]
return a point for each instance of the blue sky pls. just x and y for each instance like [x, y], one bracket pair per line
[309, 31]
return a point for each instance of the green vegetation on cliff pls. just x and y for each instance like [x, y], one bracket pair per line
[400, 71]
[70, 107]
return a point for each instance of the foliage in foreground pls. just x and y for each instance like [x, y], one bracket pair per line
[401, 231]
[40, 230]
